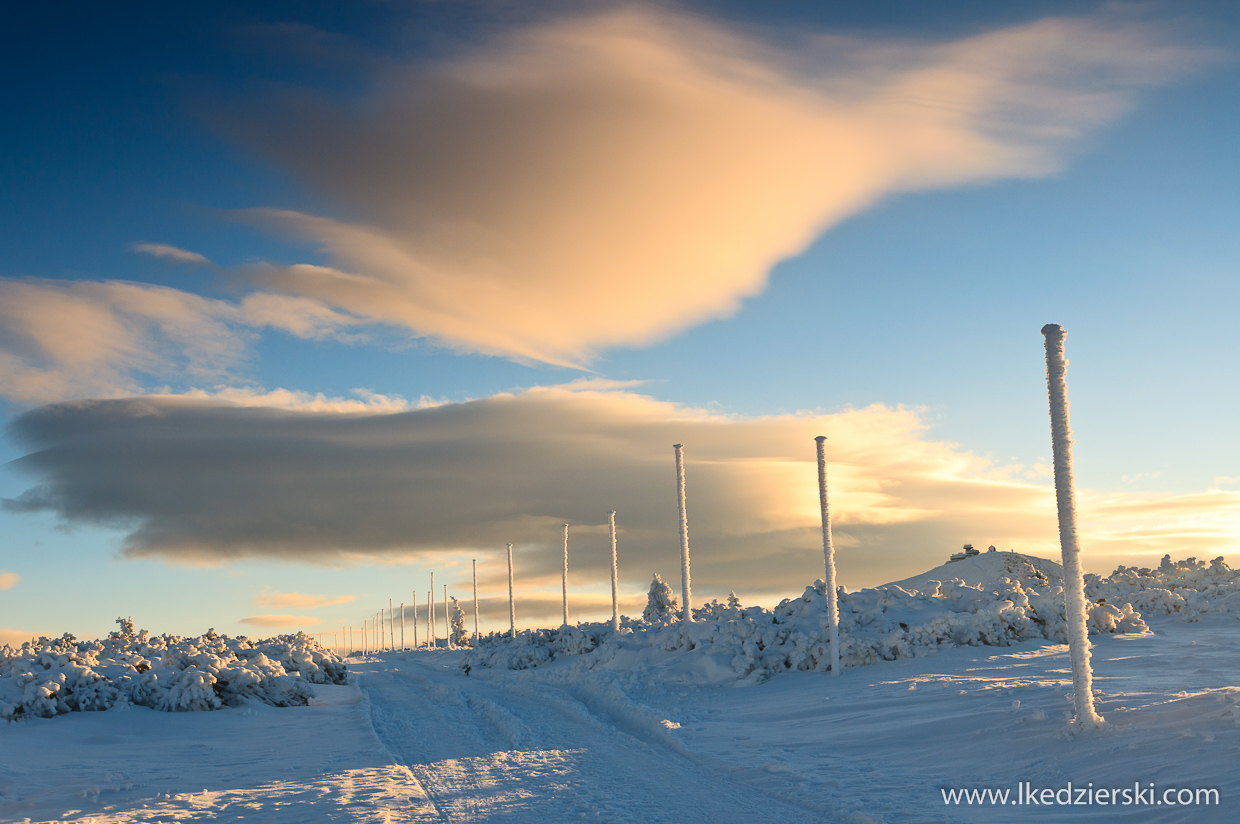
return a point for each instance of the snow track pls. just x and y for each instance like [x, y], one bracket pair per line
[487, 750]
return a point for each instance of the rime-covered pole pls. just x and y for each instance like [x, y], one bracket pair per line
[402, 627]
[392, 625]
[433, 639]
[565, 577]
[685, 591]
[615, 597]
[428, 619]
[828, 553]
[415, 619]
[512, 605]
[475, 565]
[447, 630]
[1065, 499]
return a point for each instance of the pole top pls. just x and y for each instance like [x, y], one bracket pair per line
[1054, 330]
[821, 438]
[677, 445]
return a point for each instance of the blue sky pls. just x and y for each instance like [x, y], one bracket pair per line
[923, 291]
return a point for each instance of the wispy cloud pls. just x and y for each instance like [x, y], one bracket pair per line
[612, 179]
[205, 481]
[67, 339]
[280, 621]
[163, 250]
[298, 599]
[8, 580]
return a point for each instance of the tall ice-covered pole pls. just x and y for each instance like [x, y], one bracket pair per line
[475, 562]
[828, 553]
[685, 591]
[512, 606]
[615, 598]
[1065, 500]
[565, 577]
[432, 638]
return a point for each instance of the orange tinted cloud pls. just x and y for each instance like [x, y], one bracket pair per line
[613, 179]
[204, 481]
[66, 339]
[280, 621]
[298, 599]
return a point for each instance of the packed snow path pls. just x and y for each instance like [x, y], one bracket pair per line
[487, 749]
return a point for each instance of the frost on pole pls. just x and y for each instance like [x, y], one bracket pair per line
[415, 619]
[565, 574]
[615, 599]
[512, 607]
[475, 564]
[431, 639]
[828, 553]
[447, 630]
[684, 533]
[1065, 500]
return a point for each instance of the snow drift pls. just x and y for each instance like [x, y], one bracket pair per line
[50, 677]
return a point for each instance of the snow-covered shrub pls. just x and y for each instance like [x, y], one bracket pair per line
[460, 636]
[881, 624]
[661, 604]
[1186, 589]
[48, 677]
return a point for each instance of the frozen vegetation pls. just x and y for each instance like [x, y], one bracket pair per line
[52, 676]
[996, 599]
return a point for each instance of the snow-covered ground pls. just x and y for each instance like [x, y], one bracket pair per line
[413, 738]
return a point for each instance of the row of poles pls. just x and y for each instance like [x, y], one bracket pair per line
[372, 632]
[1061, 442]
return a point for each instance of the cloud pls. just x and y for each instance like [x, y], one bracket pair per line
[162, 250]
[14, 637]
[66, 339]
[298, 599]
[610, 180]
[8, 580]
[203, 481]
[280, 621]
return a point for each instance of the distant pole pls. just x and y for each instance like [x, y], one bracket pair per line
[1065, 498]
[392, 624]
[684, 533]
[364, 640]
[434, 638]
[615, 598]
[402, 626]
[512, 605]
[565, 577]
[447, 630]
[475, 563]
[428, 619]
[415, 619]
[828, 553]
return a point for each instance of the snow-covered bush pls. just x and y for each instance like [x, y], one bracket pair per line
[661, 603]
[881, 624]
[48, 677]
[460, 636]
[1186, 589]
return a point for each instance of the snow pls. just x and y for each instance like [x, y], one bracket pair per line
[1014, 600]
[50, 677]
[647, 725]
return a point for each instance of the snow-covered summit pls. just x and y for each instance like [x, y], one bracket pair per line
[987, 568]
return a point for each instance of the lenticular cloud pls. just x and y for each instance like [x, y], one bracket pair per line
[613, 179]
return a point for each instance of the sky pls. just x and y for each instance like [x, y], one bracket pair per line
[300, 304]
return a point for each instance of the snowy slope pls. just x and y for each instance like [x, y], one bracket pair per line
[987, 568]
[422, 742]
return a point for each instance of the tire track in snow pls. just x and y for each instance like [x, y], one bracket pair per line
[486, 749]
